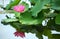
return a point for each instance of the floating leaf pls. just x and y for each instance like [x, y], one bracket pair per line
[9, 20]
[55, 4]
[26, 18]
[38, 7]
[57, 20]
[17, 14]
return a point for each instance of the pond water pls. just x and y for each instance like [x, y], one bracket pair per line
[6, 31]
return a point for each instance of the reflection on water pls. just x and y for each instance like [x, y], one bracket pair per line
[6, 31]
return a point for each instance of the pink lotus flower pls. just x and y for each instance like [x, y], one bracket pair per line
[19, 8]
[21, 34]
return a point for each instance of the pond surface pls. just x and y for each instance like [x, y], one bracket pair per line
[6, 31]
